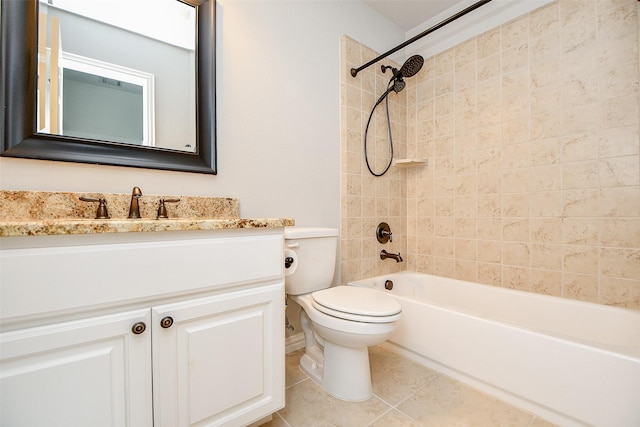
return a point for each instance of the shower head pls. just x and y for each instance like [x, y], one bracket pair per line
[398, 84]
[409, 69]
[411, 66]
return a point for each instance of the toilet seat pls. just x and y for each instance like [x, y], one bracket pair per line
[356, 304]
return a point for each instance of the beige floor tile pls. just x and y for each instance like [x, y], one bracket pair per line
[423, 398]
[394, 418]
[277, 421]
[445, 402]
[394, 378]
[308, 405]
[293, 373]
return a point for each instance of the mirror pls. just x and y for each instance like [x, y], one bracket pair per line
[27, 124]
[89, 87]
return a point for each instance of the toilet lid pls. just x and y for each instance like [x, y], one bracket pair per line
[358, 304]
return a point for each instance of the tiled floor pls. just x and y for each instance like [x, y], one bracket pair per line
[405, 394]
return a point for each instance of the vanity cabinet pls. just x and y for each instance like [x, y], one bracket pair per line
[213, 358]
[89, 372]
[194, 343]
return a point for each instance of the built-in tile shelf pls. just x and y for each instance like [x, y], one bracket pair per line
[407, 163]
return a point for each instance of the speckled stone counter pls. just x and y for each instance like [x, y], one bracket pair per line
[34, 213]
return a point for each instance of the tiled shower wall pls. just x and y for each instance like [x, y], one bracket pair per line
[532, 132]
[368, 200]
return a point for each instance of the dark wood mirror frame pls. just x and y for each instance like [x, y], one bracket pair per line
[18, 79]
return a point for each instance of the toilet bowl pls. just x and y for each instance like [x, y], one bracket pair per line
[339, 323]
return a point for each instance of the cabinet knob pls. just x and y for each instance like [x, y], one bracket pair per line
[138, 328]
[166, 322]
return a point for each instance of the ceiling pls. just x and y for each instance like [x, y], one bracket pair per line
[408, 14]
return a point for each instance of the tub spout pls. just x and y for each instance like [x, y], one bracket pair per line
[384, 255]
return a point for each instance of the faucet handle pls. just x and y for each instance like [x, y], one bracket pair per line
[102, 212]
[162, 210]
[383, 233]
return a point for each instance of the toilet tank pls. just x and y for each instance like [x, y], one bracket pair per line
[313, 250]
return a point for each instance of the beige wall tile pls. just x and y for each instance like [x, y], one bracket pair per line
[545, 151]
[619, 171]
[620, 201]
[489, 251]
[515, 205]
[579, 231]
[515, 229]
[515, 180]
[546, 256]
[546, 282]
[546, 229]
[516, 253]
[620, 292]
[489, 205]
[619, 232]
[489, 228]
[532, 135]
[581, 203]
[580, 146]
[488, 43]
[580, 175]
[466, 270]
[546, 178]
[620, 262]
[489, 182]
[444, 267]
[580, 286]
[618, 141]
[580, 259]
[546, 204]
[465, 249]
[516, 278]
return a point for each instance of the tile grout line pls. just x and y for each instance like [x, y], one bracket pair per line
[396, 406]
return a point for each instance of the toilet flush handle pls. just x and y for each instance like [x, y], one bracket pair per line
[293, 245]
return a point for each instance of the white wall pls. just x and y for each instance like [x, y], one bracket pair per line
[278, 115]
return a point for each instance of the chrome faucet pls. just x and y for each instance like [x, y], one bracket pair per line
[134, 208]
[384, 255]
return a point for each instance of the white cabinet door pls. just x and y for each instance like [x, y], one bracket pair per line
[91, 372]
[221, 362]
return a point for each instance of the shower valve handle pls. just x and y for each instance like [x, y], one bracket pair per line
[383, 233]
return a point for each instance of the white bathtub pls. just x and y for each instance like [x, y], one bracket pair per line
[571, 362]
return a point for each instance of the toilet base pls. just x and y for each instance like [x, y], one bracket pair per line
[341, 371]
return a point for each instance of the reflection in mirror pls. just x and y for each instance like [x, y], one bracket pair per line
[90, 87]
[21, 113]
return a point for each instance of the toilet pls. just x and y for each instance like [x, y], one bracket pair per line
[339, 323]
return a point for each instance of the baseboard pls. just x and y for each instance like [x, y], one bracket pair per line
[294, 342]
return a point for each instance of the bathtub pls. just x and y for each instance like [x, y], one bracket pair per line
[570, 362]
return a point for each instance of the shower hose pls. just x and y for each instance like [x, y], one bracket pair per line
[366, 155]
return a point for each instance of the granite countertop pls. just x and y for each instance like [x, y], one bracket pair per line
[93, 226]
[31, 213]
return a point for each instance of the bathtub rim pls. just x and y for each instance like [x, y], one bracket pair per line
[632, 351]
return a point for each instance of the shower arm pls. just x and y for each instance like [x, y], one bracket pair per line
[355, 71]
